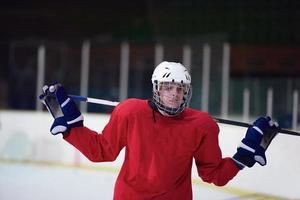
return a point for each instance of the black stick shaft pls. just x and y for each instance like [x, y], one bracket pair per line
[243, 124]
[219, 120]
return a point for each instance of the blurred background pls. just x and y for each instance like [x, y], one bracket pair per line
[258, 40]
[243, 56]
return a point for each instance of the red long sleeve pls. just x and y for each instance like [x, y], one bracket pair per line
[100, 147]
[212, 168]
[159, 151]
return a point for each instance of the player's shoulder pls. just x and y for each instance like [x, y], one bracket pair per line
[132, 102]
[202, 119]
[197, 114]
[131, 105]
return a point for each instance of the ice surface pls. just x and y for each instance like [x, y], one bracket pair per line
[46, 182]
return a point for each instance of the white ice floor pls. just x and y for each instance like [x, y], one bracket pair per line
[47, 182]
[42, 182]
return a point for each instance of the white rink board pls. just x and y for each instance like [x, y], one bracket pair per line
[25, 136]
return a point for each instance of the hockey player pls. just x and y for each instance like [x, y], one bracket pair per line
[161, 138]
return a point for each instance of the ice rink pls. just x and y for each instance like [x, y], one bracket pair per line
[40, 181]
[35, 165]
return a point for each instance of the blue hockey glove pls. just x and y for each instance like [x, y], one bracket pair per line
[59, 126]
[258, 138]
[63, 109]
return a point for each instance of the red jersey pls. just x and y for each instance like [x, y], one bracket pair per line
[159, 151]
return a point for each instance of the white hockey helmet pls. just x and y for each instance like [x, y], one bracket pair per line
[174, 73]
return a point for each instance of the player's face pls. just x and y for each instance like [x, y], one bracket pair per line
[171, 94]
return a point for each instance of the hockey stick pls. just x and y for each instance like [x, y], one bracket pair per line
[243, 124]
[93, 100]
[218, 120]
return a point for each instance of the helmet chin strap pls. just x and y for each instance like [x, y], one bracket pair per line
[165, 114]
[168, 111]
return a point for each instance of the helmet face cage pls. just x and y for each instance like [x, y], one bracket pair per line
[187, 93]
[172, 73]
